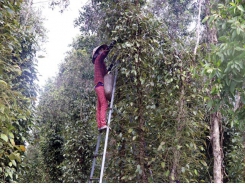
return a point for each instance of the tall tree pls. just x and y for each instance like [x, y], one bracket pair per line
[215, 117]
[225, 68]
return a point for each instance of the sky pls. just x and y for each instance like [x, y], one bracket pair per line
[60, 34]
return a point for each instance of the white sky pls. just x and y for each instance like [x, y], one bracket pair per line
[61, 31]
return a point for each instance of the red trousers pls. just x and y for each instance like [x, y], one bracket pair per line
[101, 107]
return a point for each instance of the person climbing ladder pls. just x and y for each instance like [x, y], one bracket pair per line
[105, 84]
[98, 57]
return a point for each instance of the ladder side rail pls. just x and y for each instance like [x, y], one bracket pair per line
[95, 157]
[107, 131]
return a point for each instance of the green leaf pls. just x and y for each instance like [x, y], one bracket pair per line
[142, 81]
[4, 137]
[138, 169]
[2, 108]
[210, 104]
[205, 19]
[11, 135]
[203, 163]
[210, 70]
[134, 138]
[211, 19]
[3, 83]
[167, 173]
[232, 86]
[13, 162]
[238, 31]
[10, 11]
[17, 157]
[163, 164]
[240, 7]
[11, 156]
[127, 44]
[239, 48]
[182, 169]
[12, 142]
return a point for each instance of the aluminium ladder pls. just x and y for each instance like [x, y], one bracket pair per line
[96, 153]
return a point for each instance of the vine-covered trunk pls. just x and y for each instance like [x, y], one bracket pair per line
[173, 174]
[140, 105]
[180, 124]
[142, 148]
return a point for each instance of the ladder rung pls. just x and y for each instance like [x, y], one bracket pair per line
[99, 165]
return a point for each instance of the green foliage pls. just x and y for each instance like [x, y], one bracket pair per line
[177, 15]
[18, 89]
[33, 164]
[66, 119]
[160, 123]
[77, 82]
[225, 67]
[53, 156]
[149, 137]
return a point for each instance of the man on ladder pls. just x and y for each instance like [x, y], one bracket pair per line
[99, 54]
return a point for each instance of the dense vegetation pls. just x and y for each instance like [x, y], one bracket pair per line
[179, 102]
[19, 35]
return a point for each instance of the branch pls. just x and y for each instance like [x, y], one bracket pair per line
[198, 26]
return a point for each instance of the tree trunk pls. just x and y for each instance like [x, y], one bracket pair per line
[217, 149]
[215, 117]
[173, 174]
[180, 124]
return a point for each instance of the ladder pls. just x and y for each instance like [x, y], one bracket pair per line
[96, 153]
